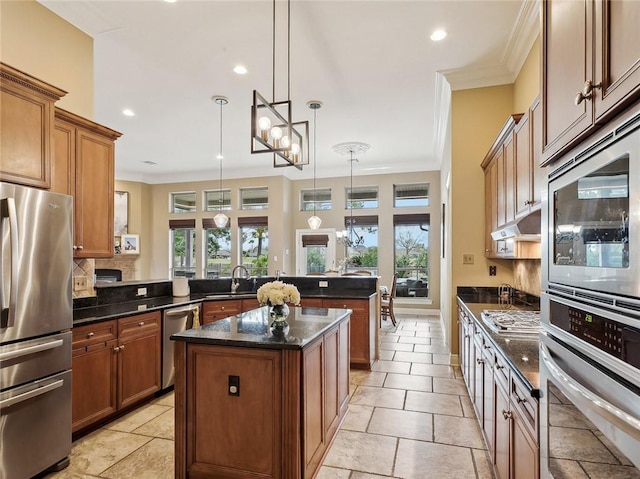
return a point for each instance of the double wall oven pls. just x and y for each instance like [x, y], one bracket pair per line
[590, 310]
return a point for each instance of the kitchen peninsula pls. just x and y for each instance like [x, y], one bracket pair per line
[249, 404]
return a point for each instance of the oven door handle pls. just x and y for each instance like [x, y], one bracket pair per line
[582, 396]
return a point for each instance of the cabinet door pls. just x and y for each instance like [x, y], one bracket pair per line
[215, 310]
[539, 173]
[138, 368]
[331, 371]
[503, 434]
[490, 206]
[478, 389]
[343, 366]
[311, 302]
[63, 164]
[524, 172]
[567, 35]
[312, 414]
[94, 195]
[509, 179]
[501, 205]
[617, 55]
[94, 383]
[488, 396]
[524, 450]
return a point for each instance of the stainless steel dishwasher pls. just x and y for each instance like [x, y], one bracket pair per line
[174, 321]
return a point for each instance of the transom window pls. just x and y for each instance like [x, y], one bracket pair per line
[362, 197]
[416, 194]
[321, 198]
[184, 202]
[254, 198]
[212, 200]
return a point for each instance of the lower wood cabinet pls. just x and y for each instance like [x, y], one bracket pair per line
[507, 413]
[115, 364]
[220, 309]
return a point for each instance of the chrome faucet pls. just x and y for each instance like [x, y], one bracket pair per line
[235, 284]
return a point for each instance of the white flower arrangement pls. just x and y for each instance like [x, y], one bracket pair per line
[277, 292]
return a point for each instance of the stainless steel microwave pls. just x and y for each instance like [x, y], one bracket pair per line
[592, 215]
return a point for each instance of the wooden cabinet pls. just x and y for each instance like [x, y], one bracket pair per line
[220, 309]
[139, 357]
[281, 421]
[591, 68]
[363, 328]
[26, 116]
[83, 167]
[249, 304]
[94, 372]
[115, 364]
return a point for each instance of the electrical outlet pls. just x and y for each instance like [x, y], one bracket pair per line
[492, 270]
[80, 283]
[323, 284]
[142, 291]
[467, 258]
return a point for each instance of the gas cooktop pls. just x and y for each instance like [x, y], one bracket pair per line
[512, 321]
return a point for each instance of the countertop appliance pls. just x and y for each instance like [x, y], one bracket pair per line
[35, 331]
[174, 321]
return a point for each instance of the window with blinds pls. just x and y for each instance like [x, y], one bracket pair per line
[362, 197]
[416, 194]
[254, 198]
[321, 198]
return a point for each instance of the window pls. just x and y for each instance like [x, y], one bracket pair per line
[321, 198]
[411, 235]
[183, 202]
[364, 255]
[183, 248]
[254, 239]
[218, 251]
[362, 197]
[411, 195]
[212, 200]
[315, 250]
[254, 198]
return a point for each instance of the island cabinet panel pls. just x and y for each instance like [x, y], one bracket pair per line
[248, 424]
[312, 391]
[94, 367]
[311, 302]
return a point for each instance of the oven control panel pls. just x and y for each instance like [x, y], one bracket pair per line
[618, 339]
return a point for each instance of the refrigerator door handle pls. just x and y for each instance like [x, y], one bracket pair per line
[31, 394]
[8, 208]
[30, 350]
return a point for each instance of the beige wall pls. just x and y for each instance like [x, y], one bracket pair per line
[527, 85]
[35, 40]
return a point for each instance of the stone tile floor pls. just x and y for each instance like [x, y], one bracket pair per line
[410, 417]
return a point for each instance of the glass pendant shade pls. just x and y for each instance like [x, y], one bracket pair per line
[221, 220]
[314, 222]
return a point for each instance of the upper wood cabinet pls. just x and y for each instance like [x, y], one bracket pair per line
[26, 116]
[591, 67]
[83, 166]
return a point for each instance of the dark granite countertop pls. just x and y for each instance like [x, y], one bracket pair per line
[521, 352]
[103, 312]
[251, 329]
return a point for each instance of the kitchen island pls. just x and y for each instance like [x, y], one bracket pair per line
[249, 404]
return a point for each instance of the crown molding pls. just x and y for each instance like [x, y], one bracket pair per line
[525, 31]
[441, 112]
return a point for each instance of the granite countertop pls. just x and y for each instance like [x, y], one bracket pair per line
[116, 310]
[520, 351]
[251, 329]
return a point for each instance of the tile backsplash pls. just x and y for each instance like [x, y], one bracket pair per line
[84, 267]
[527, 276]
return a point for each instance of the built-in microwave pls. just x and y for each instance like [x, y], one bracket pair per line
[591, 215]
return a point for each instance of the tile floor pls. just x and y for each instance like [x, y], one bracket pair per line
[410, 417]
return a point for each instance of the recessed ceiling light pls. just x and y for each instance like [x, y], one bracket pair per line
[128, 112]
[240, 69]
[171, 1]
[438, 35]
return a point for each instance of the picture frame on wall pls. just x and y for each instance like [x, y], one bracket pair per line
[130, 244]
[120, 213]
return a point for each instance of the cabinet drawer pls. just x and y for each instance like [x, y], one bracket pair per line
[228, 307]
[502, 372]
[91, 334]
[358, 306]
[526, 405]
[139, 324]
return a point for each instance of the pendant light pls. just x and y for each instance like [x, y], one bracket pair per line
[220, 219]
[314, 221]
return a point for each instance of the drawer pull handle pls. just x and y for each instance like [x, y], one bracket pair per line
[499, 366]
[506, 415]
[519, 400]
[91, 334]
[141, 323]
[480, 361]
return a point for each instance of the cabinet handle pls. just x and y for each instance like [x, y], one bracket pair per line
[91, 334]
[519, 400]
[116, 349]
[488, 250]
[504, 248]
[480, 361]
[467, 335]
[529, 202]
[499, 366]
[587, 92]
[121, 347]
[486, 346]
[75, 247]
[141, 323]
[222, 308]
[506, 415]
[80, 247]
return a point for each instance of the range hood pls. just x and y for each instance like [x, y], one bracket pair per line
[526, 228]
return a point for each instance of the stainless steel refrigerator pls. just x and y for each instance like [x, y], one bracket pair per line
[36, 263]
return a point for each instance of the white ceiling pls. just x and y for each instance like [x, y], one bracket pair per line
[370, 62]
